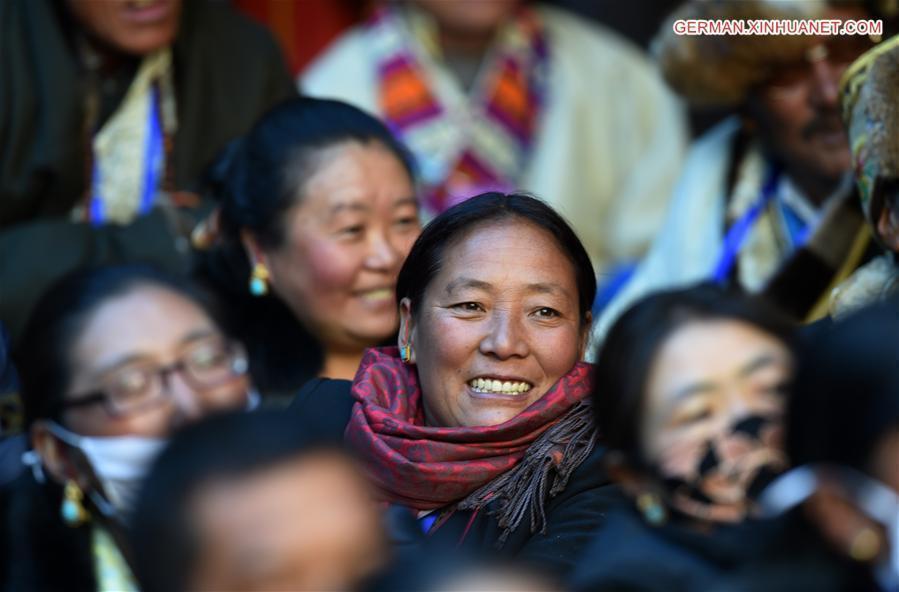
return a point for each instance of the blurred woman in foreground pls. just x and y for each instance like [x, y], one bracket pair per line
[111, 361]
[249, 502]
[690, 396]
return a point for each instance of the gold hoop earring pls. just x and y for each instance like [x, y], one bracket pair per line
[259, 280]
[72, 510]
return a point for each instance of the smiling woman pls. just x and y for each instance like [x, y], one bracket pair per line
[479, 421]
[317, 213]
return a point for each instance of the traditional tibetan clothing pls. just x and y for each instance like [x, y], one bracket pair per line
[557, 107]
[95, 164]
[736, 219]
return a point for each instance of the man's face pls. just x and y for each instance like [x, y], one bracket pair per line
[797, 109]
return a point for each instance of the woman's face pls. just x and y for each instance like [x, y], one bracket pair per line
[146, 327]
[712, 419]
[497, 326]
[346, 240]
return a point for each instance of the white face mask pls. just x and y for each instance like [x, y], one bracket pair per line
[119, 462]
[877, 501]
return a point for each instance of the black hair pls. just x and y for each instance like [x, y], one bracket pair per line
[43, 354]
[256, 180]
[225, 445]
[426, 257]
[846, 396]
[625, 358]
[264, 175]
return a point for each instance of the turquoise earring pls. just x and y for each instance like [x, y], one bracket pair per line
[259, 280]
[72, 510]
[406, 354]
[652, 509]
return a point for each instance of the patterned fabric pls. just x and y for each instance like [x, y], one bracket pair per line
[426, 467]
[868, 103]
[875, 281]
[129, 151]
[465, 144]
[113, 573]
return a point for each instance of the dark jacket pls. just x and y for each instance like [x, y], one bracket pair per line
[572, 516]
[628, 554]
[780, 555]
[227, 72]
[798, 558]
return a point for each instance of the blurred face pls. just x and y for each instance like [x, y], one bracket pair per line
[306, 524]
[346, 241]
[798, 113]
[147, 327]
[471, 17]
[712, 422]
[135, 27]
[497, 326]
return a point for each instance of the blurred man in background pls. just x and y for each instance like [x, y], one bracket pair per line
[109, 111]
[511, 95]
[764, 201]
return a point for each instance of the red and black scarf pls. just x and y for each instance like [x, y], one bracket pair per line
[425, 467]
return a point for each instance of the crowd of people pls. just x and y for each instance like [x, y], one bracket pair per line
[458, 308]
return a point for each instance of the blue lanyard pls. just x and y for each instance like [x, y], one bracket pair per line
[740, 229]
[154, 156]
[796, 227]
[426, 522]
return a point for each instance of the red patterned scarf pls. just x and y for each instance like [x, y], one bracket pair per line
[427, 467]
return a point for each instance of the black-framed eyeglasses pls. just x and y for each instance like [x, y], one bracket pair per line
[138, 386]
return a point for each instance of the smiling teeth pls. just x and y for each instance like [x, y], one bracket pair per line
[487, 385]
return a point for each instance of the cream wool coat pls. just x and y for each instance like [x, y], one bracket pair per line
[689, 244]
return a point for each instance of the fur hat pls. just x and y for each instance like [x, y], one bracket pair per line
[719, 70]
[869, 96]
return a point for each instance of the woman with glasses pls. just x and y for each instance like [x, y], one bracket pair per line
[111, 362]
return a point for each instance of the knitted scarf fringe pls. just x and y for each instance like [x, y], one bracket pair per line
[523, 490]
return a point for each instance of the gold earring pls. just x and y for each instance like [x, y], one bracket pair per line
[72, 510]
[406, 354]
[259, 280]
[865, 545]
